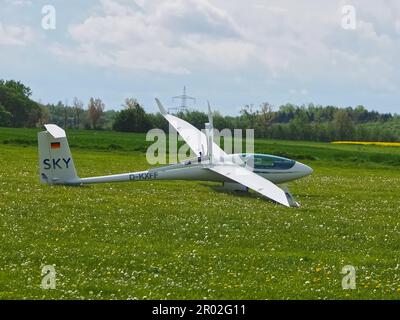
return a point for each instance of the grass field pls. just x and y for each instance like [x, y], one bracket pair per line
[186, 240]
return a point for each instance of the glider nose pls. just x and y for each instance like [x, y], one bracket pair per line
[304, 169]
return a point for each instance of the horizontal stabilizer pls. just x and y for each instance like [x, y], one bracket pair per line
[55, 131]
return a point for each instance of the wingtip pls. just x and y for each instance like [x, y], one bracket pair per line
[290, 202]
[161, 107]
[284, 201]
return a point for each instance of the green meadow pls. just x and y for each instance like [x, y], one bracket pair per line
[189, 240]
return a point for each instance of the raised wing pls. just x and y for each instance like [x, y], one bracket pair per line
[253, 181]
[195, 139]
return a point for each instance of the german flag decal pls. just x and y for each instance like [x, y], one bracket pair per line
[55, 145]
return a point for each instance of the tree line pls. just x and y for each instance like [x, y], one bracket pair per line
[291, 122]
[18, 110]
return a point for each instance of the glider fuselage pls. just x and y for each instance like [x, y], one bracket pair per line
[275, 169]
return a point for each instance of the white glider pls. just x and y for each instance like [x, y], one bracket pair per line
[259, 172]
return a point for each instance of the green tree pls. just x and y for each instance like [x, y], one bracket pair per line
[15, 98]
[220, 122]
[132, 119]
[5, 117]
[344, 125]
[248, 117]
[196, 118]
[17, 87]
[158, 121]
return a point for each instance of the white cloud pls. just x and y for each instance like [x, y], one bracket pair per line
[15, 36]
[397, 26]
[19, 2]
[303, 41]
[115, 8]
[169, 37]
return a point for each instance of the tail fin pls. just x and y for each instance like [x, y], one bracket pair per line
[56, 165]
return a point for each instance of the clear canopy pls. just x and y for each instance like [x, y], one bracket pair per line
[265, 161]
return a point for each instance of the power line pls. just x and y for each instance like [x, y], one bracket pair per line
[184, 99]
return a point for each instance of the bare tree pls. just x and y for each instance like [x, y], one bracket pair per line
[131, 103]
[44, 115]
[78, 110]
[265, 117]
[65, 114]
[266, 114]
[95, 111]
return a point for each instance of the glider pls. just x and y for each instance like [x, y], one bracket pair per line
[259, 172]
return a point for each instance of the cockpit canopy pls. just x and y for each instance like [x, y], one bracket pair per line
[265, 161]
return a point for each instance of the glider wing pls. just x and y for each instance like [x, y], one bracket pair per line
[253, 181]
[196, 140]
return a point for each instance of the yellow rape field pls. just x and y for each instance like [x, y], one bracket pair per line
[382, 144]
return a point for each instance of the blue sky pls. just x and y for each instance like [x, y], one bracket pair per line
[229, 52]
